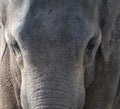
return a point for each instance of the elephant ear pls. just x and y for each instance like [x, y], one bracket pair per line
[110, 10]
[2, 42]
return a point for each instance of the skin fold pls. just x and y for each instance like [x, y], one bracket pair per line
[59, 54]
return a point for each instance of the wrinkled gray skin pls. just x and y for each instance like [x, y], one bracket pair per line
[60, 54]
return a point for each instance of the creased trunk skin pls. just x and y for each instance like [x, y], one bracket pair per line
[51, 92]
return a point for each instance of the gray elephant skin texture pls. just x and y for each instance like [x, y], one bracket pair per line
[59, 54]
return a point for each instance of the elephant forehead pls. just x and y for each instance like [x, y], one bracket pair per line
[54, 26]
[44, 21]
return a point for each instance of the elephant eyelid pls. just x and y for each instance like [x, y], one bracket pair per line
[91, 45]
[17, 52]
[15, 47]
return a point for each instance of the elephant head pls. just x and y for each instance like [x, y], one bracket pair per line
[49, 40]
[54, 43]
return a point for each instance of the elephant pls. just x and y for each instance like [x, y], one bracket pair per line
[59, 54]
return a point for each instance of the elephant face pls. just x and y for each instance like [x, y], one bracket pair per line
[49, 40]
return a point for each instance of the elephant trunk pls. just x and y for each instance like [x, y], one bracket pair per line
[48, 94]
[51, 92]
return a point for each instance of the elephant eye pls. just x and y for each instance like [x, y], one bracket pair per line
[90, 46]
[17, 52]
[15, 47]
